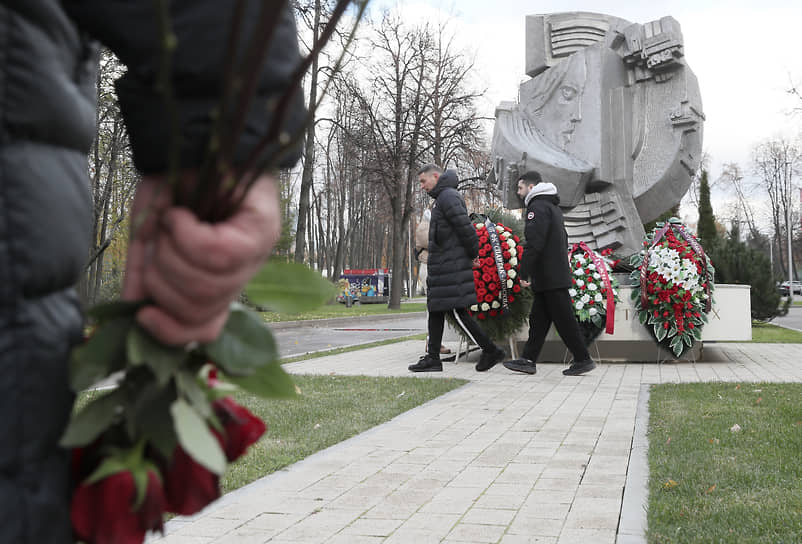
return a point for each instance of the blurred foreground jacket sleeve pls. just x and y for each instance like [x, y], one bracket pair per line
[201, 27]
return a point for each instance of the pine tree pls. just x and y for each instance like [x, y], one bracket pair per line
[706, 228]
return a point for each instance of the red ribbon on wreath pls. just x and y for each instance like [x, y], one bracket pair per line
[602, 269]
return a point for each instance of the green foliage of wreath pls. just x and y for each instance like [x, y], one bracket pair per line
[678, 282]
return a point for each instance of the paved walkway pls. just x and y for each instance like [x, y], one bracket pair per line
[508, 458]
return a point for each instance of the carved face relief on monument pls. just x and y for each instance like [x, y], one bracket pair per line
[554, 100]
[612, 116]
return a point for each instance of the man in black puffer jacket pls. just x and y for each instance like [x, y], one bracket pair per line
[453, 247]
[188, 270]
[545, 261]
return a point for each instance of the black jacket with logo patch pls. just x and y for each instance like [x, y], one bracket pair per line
[545, 257]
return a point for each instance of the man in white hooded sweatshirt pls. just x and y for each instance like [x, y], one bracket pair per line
[544, 267]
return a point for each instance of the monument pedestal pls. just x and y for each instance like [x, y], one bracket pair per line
[729, 320]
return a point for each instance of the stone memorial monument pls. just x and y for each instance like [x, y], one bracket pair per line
[612, 116]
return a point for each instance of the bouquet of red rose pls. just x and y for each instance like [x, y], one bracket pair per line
[673, 282]
[594, 290]
[159, 440]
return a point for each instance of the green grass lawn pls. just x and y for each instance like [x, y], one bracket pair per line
[330, 410]
[772, 334]
[709, 483]
[340, 310]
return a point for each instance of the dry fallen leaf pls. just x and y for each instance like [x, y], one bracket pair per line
[759, 399]
[738, 386]
[670, 484]
[710, 489]
[668, 441]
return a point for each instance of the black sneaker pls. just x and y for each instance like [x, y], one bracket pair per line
[521, 365]
[580, 367]
[427, 363]
[488, 359]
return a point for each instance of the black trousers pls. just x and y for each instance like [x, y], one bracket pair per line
[554, 307]
[465, 321]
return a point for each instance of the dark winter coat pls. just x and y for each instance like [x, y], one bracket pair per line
[453, 244]
[545, 257]
[47, 125]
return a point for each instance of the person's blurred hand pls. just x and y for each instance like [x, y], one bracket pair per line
[191, 270]
[525, 283]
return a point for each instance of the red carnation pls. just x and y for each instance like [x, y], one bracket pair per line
[102, 512]
[506, 254]
[511, 298]
[489, 298]
[476, 274]
[515, 238]
[482, 252]
[507, 266]
[486, 277]
[480, 315]
[505, 245]
[516, 288]
[489, 261]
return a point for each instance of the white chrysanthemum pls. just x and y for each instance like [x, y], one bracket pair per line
[596, 276]
[513, 261]
[592, 266]
[474, 308]
[495, 304]
[585, 298]
[593, 311]
[512, 273]
[579, 272]
[579, 305]
[499, 229]
[592, 286]
[598, 297]
[485, 306]
[572, 292]
[510, 283]
[580, 283]
[511, 243]
[479, 226]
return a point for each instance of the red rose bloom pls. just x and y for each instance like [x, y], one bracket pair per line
[507, 266]
[506, 254]
[476, 274]
[493, 313]
[188, 485]
[480, 315]
[489, 298]
[516, 288]
[510, 299]
[241, 427]
[515, 238]
[101, 512]
[486, 277]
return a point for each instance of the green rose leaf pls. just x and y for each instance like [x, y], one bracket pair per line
[289, 287]
[269, 381]
[196, 438]
[676, 346]
[191, 389]
[163, 360]
[90, 422]
[643, 317]
[148, 410]
[697, 333]
[245, 344]
[101, 355]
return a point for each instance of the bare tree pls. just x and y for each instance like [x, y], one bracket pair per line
[776, 162]
[113, 179]
[732, 177]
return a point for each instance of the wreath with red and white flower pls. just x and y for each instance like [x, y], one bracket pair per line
[673, 285]
[593, 291]
[502, 306]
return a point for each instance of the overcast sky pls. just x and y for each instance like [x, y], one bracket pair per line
[744, 54]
